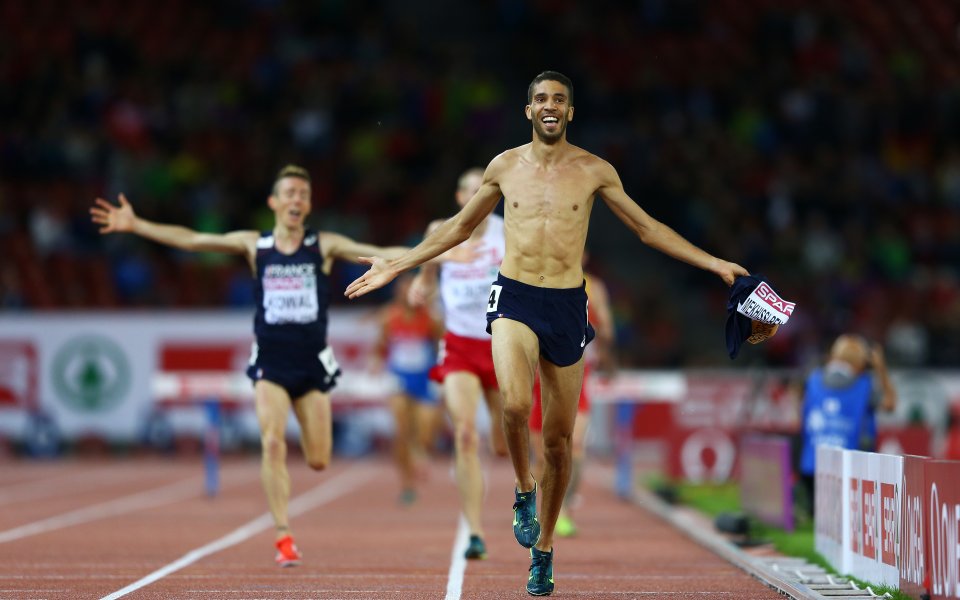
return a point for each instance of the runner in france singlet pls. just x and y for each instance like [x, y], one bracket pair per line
[465, 287]
[293, 294]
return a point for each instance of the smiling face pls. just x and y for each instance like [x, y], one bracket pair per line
[550, 110]
[290, 201]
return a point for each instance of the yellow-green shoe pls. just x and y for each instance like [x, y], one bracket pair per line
[565, 527]
[540, 582]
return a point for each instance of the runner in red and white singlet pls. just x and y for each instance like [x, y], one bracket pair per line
[465, 361]
[464, 289]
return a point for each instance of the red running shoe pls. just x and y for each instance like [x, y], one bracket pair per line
[287, 553]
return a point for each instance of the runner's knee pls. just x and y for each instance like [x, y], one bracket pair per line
[274, 447]
[467, 438]
[556, 447]
[516, 413]
[318, 463]
[317, 453]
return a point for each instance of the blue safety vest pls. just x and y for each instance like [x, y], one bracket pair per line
[836, 416]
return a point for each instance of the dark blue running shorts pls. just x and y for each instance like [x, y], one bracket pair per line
[557, 315]
[297, 369]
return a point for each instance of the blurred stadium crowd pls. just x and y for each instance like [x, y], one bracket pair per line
[816, 142]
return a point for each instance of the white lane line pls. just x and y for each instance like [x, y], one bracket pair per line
[458, 564]
[88, 478]
[327, 491]
[148, 499]
[173, 492]
[53, 485]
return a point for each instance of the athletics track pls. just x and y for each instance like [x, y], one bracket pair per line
[144, 529]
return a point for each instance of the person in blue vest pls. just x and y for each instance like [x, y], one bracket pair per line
[841, 400]
[291, 366]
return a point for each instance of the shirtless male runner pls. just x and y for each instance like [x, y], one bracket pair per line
[537, 308]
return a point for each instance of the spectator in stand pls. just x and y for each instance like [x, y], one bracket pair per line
[847, 129]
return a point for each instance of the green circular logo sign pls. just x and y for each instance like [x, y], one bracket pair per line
[91, 373]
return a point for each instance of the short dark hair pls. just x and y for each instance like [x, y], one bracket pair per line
[291, 171]
[462, 181]
[551, 76]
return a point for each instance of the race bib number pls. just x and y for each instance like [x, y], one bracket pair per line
[290, 294]
[494, 299]
[329, 361]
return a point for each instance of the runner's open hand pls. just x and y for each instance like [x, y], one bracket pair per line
[113, 218]
[379, 275]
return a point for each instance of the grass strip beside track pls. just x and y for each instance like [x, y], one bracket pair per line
[715, 499]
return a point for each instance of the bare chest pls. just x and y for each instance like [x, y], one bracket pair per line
[530, 191]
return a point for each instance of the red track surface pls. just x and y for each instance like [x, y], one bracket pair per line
[90, 529]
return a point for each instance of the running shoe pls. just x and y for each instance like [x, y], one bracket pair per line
[526, 527]
[565, 527]
[540, 582]
[407, 497]
[476, 549]
[287, 553]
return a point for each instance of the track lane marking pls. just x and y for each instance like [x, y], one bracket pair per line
[321, 494]
[458, 563]
[53, 485]
[174, 492]
[90, 480]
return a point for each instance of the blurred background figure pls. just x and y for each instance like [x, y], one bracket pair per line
[841, 400]
[600, 361]
[465, 365]
[407, 347]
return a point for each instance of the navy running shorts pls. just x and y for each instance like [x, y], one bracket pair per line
[558, 316]
[297, 369]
